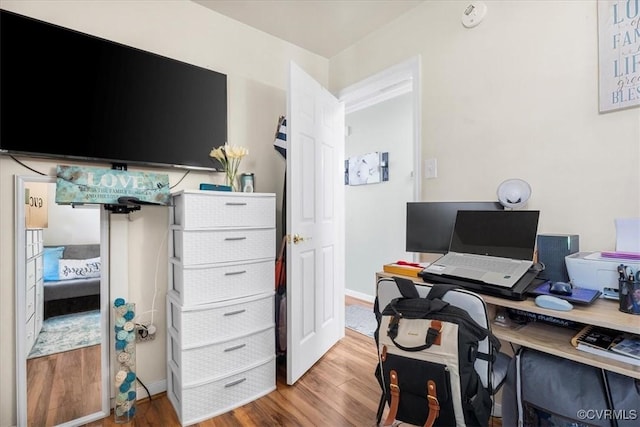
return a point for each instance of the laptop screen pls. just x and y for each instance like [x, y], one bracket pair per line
[506, 234]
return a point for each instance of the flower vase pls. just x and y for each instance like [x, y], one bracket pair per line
[125, 352]
[230, 180]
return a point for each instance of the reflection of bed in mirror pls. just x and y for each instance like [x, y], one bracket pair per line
[71, 279]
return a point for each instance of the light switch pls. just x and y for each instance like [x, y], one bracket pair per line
[430, 168]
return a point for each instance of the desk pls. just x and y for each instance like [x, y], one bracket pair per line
[556, 340]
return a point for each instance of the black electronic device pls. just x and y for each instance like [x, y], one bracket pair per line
[552, 250]
[518, 292]
[561, 288]
[430, 224]
[66, 94]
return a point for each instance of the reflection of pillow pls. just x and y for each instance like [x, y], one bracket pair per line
[50, 258]
[78, 268]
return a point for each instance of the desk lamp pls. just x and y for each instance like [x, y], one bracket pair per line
[514, 193]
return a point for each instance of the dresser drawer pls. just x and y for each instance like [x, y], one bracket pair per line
[39, 307]
[218, 246]
[29, 335]
[217, 360]
[210, 283]
[211, 323]
[31, 273]
[39, 267]
[206, 400]
[203, 209]
[30, 302]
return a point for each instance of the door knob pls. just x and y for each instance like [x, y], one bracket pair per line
[298, 239]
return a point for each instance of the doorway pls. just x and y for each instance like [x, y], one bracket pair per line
[382, 115]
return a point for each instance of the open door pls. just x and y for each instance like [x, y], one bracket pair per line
[315, 222]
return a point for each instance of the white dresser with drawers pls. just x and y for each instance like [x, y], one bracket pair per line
[34, 291]
[220, 304]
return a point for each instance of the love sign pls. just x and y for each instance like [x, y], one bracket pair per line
[78, 184]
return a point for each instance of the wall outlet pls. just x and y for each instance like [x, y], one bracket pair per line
[145, 333]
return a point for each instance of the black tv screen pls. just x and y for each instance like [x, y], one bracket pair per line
[430, 224]
[72, 95]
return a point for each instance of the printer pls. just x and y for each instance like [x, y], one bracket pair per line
[593, 271]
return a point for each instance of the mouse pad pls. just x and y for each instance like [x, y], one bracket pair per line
[579, 295]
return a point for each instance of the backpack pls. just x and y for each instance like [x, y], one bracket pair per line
[426, 350]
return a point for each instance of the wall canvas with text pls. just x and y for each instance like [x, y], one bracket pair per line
[619, 53]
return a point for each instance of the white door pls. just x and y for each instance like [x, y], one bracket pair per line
[315, 222]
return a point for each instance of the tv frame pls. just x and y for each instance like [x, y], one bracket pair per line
[435, 237]
[84, 140]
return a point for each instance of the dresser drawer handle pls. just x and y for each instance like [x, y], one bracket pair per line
[235, 238]
[236, 203]
[237, 347]
[231, 313]
[233, 273]
[236, 382]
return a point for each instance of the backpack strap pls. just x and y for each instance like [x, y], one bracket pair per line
[438, 290]
[395, 398]
[434, 405]
[407, 287]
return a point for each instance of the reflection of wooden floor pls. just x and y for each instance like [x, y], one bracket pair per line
[63, 386]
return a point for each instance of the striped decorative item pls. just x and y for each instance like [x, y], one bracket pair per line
[280, 142]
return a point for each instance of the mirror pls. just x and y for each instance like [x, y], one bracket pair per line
[62, 308]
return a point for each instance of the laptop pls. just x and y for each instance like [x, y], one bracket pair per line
[492, 247]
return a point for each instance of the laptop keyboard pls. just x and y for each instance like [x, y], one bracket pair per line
[487, 264]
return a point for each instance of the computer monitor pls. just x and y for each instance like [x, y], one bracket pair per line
[430, 224]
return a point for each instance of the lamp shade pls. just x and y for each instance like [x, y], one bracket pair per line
[514, 193]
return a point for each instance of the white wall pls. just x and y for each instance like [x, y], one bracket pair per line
[376, 212]
[515, 97]
[257, 68]
[69, 225]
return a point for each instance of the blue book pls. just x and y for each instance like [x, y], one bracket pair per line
[214, 187]
[629, 346]
[578, 295]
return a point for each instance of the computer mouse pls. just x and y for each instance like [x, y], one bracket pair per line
[561, 288]
[553, 303]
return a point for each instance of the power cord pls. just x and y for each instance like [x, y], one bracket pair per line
[28, 167]
[180, 180]
[144, 386]
[155, 283]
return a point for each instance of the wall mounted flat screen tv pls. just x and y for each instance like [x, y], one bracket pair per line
[65, 94]
[430, 224]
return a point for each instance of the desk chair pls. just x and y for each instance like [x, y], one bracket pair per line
[492, 372]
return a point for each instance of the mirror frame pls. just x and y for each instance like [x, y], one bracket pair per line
[20, 300]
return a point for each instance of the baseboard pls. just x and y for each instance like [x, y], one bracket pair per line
[154, 388]
[359, 295]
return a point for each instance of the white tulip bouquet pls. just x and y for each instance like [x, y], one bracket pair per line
[230, 156]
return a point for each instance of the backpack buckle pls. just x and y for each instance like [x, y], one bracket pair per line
[433, 334]
[392, 332]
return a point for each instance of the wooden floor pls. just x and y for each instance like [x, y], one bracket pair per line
[63, 386]
[339, 390]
